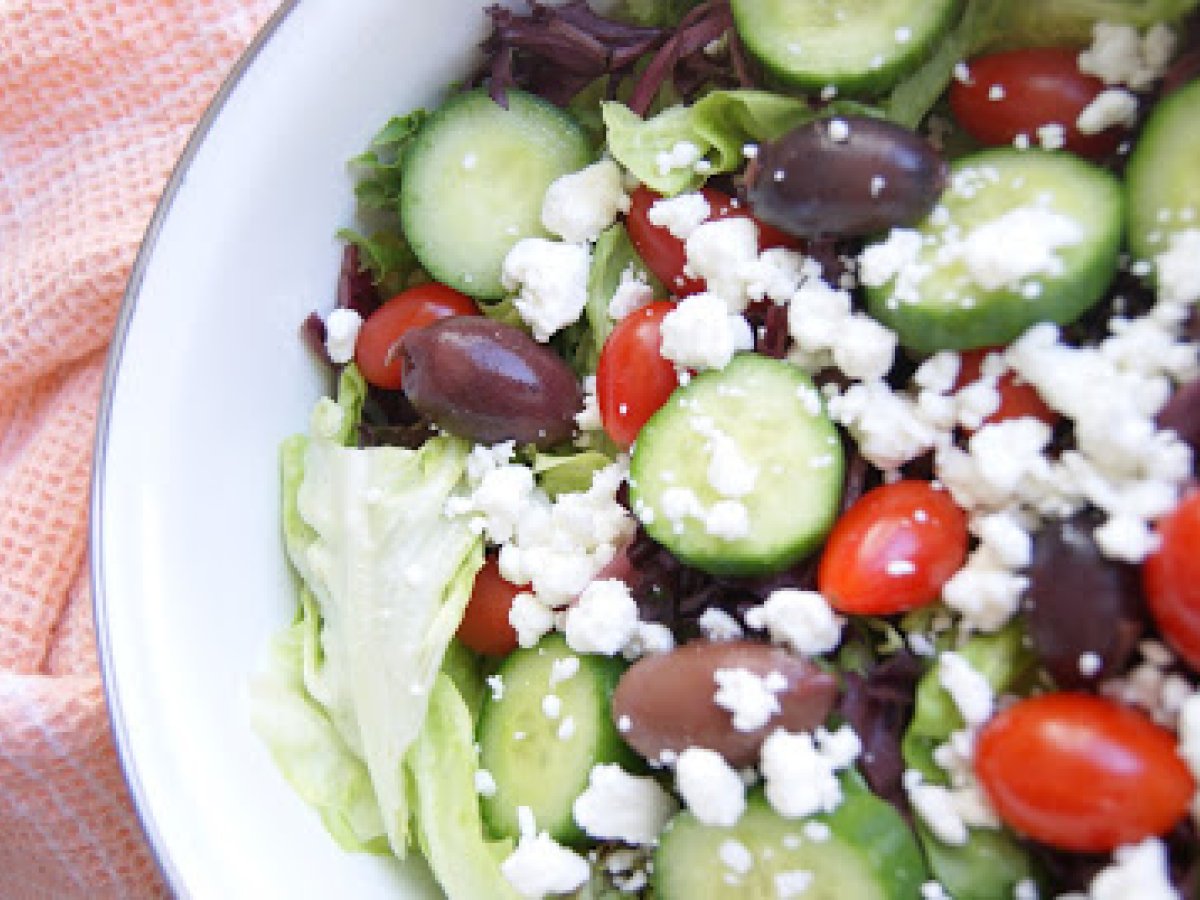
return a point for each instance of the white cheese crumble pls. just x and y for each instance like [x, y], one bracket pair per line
[682, 155]
[485, 784]
[1178, 268]
[604, 619]
[826, 329]
[701, 333]
[341, 334]
[1119, 55]
[1110, 108]
[800, 770]
[718, 625]
[718, 251]
[749, 697]
[801, 620]
[579, 205]
[631, 294]
[1017, 245]
[735, 856]
[619, 806]
[1138, 870]
[681, 215]
[967, 687]
[540, 866]
[711, 788]
[551, 280]
[948, 812]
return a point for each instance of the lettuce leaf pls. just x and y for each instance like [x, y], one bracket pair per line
[719, 125]
[306, 746]
[442, 765]
[392, 576]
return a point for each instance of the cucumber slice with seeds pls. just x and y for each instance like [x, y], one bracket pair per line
[541, 753]
[473, 182]
[859, 47]
[759, 421]
[984, 271]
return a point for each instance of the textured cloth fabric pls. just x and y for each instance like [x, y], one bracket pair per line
[97, 99]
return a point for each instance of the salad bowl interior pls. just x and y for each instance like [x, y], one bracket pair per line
[207, 375]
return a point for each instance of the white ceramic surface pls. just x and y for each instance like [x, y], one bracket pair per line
[206, 376]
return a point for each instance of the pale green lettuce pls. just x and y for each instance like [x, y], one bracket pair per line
[442, 765]
[388, 575]
[719, 125]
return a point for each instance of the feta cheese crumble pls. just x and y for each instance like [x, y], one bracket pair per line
[551, 280]
[801, 620]
[701, 333]
[341, 334]
[711, 788]
[681, 215]
[579, 205]
[750, 698]
[619, 806]
[800, 770]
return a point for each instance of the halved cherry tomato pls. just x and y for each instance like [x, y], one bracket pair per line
[409, 309]
[664, 254]
[893, 549]
[1171, 579]
[1082, 772]
[632, 378]
[1017, 398]
[1016, 92]
[485, 627]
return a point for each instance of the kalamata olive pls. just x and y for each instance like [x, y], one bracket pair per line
[845, 176]
[666, 701]
[1083, 610]
[489, 382]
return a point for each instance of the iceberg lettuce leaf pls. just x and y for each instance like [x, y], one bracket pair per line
[442, 765]
[391, 575]
[306, 746]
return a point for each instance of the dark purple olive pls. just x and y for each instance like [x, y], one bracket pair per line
[1182, 415]
[1083, 611]
[845, 176]
[489, 382]
[665, 701]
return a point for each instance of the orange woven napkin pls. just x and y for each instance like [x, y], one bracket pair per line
[97, 99]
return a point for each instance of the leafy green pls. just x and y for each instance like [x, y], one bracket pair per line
[1002, 658]
[612, 256]
[386, 255]
[568, 473]
[442, 765]
[912, 99]
[990, 864]
[719, 125]
[653, 12]
[305, 744]
[380, 166]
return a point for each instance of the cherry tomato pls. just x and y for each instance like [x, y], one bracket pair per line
[1171, 579]
[485, 627]
[664, 254]
[893, 549]
[1016, 92]
[409, 309]
[1082, 772]
[1017, 398]
[632, 378]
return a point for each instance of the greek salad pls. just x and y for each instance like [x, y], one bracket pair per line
[761, 461]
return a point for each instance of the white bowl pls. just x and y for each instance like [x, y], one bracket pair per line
[207, 374]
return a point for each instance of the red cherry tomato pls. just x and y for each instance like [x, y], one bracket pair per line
[893, 549]
[1017, 92]
[1082, 772]
[1017, 398]
[664, 254]
[409, 309]
[485, 627]
[1171, 578]
[632, 378]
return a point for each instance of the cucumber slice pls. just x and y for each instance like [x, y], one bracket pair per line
[950, 309]
[860, 47]
[473, 182]
[868, 854]
[766, 412]
[1163, 176]
[543, 761]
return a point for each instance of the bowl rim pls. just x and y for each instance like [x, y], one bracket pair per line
[118, 725]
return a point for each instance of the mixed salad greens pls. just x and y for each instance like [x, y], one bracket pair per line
[762, 460]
